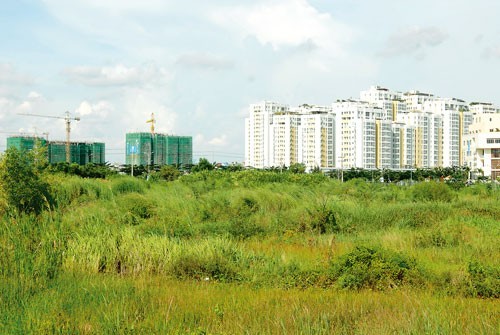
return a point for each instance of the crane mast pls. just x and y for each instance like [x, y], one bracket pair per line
[67, 119]
[152, 121]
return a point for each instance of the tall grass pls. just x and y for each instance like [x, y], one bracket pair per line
[109, 305]
[252, 252]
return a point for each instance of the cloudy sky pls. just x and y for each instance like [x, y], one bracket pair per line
[198, 64]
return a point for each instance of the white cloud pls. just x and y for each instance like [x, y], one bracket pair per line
[491, 52]
[6, 106]
[101, 109]
[35, 96]
[9, 75]
[219, 140]
[117, 75]
[25, 106]
[414, 40]
[130, 26]
[284, 23]
[33, 101]
[199, 140]
[204, 61]
[138, 107]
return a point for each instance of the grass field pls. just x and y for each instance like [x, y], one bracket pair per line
[252, 252]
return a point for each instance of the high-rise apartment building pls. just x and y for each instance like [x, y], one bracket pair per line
[277, 136]
[456, 119]
[258, 135]
[482, 144]
[384, 129]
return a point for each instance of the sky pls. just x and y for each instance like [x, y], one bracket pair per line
[197, 64]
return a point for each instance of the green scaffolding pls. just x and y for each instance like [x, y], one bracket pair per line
[80, 152]
[159, 149]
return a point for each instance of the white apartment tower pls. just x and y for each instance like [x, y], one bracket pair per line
[385, 129]
[456, 119]
[277, 136]
[315, 141]
[258, 135]
[356, 134]
[482, 144]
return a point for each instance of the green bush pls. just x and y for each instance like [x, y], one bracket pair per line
[483, 280]
[440, 237]
[323, 221]
[136, 207]
[432, 191]
[375, 268]
[169, 173]
[24, 188]
[243, 229]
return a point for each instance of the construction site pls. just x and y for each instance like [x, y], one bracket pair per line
[80, 152]
[61, 151]
[142, 148]
[151, 148]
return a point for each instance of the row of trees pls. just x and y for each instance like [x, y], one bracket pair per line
[449, 174]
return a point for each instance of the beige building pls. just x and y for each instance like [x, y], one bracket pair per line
[482, 145]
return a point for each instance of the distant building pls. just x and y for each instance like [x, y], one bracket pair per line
[80, 152]
[278, 136]
[259, 143]
[482, 144]
[144, 148]
[384, 129]
[25, 142]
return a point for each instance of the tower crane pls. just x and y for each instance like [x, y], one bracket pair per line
[152, 121]
[67, 119]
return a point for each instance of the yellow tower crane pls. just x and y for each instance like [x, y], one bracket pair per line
[152, 121]
[67, 119]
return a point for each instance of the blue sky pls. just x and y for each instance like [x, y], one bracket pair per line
[198, 64]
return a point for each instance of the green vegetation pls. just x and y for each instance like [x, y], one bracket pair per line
[245, 251]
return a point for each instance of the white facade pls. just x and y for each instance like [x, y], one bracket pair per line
[482, 145]
[415, 100]
[483, 108]
[315, 142]
[284, 138]
[356, 133]
[456, 119]
[377, 93]
[384, 129]
[258, 136]
[277, 136]
[427, 141]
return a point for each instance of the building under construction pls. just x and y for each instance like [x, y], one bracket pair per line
[158, 149]
[80, 152]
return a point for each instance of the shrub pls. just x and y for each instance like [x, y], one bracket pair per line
[375, 268]
[24, 188]
[169, 173]
[136, 207]
[243, 229]
[432, 191]
[323, 220]
[439, 237]
[484, 281]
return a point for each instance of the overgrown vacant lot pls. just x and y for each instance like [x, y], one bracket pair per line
[252, 252]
